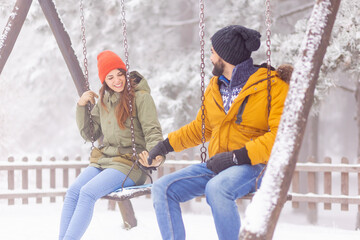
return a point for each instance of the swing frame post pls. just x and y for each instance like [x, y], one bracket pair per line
[127, 213]
[12, 30]
[14, 25]
[64, 43]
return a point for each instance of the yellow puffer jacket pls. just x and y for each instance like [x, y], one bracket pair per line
[246, 123]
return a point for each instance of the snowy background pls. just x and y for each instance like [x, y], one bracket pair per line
[38, 95]
[37, 116]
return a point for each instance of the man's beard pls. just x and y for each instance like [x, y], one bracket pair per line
[218, 69]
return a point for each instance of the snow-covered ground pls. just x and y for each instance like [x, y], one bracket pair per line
[41, 222]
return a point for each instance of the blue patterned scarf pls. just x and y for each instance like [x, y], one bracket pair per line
[229, 90]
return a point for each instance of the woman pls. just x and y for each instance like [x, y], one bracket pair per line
[110, 163]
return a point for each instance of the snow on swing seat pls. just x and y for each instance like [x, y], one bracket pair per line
[129, 192]
[137, 191]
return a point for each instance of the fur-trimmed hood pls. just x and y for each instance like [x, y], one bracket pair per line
[284, 71]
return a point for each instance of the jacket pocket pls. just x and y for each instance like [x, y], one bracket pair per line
[95, 155]
[241, 111]
[249, 133]
[251, 130]
[125, 159]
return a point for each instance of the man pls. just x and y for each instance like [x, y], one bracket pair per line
[241, 132]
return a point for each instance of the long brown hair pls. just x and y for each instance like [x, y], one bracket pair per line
[122, 110]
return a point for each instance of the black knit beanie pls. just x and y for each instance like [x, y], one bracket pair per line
[235, 43]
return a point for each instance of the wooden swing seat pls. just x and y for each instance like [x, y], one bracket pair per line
[123, 197]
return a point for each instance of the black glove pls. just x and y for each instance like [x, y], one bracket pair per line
[162, 148]
[222, 161]
[147, 168]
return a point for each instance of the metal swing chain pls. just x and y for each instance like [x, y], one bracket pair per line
[86, 72]
[268, 51]
[128, 78]
[268, 61]
[202, 75]
[134, 154]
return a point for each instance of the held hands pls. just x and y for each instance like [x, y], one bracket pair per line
[162, 148]
[88, 96]
[155, 163]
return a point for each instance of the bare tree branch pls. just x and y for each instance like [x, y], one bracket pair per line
[296, 10]
[180, 23]
[345, 88]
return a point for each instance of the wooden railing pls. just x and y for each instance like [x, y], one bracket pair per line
[58, 178]
[328, 171]
[40, 188]
[52, 177]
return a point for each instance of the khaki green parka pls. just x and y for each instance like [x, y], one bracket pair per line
[116, 149]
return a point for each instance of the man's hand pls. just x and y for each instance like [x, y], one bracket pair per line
[221, 161]
[162, 148]
[156, 163]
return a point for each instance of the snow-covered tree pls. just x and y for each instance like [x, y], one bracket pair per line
[262, 214]
[342, 54]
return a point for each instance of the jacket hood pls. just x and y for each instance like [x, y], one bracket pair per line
[284, 72]
[140, 81]
[140, 85]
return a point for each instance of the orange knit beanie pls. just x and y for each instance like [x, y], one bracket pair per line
[108, 61]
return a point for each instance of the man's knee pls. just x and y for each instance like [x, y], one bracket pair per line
[217, 190]
[165, 188]
[212, 191]
[158, 190]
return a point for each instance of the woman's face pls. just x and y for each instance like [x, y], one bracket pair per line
[116, 80]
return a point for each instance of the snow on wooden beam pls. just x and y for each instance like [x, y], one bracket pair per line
[327, 167]
[12, 29]
[262, 214]
[34, 193]
[42, 165]
[325, 198]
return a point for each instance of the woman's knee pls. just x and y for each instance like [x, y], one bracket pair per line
[73, 191]
[87, 194]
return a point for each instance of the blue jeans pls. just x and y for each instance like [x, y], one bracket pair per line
[80, 198]
[220, 191]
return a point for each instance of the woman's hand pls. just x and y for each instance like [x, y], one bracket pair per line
[88, 96]
[156, 162]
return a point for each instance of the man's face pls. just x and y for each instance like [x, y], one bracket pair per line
[218, 63]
